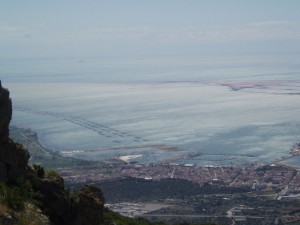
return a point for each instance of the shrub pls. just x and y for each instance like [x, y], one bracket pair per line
[92, 188]
[39, 170]
[52, 173]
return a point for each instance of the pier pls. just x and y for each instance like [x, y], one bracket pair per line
[295, 151]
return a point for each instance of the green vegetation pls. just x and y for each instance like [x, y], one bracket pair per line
[91, 188]
[115, 218]
[39, 170]
[30, 215]
[270, 168]
[19, 204]
[52, 173]
[135, 189]
[12, 196]
[16, 194]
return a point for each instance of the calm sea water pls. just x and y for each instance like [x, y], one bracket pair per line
[215, 111]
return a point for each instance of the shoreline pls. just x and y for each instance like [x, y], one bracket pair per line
[128, 157]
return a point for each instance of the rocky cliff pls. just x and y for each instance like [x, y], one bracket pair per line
[13, 158]
[5, 114]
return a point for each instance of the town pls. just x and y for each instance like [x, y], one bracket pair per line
[245, 194]
[253, 176]
[256, 177]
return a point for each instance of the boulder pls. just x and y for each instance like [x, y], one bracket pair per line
[87, 207]
[54, 199]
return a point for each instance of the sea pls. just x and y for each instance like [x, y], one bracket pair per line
[208, 110]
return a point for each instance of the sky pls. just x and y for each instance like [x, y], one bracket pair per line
[140, 28]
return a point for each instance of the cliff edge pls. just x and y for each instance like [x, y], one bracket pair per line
[13, 158]
[5, 114]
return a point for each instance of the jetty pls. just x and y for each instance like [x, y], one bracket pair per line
[294, 152]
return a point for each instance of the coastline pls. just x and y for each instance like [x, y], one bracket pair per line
[252, 177]
[31, 140]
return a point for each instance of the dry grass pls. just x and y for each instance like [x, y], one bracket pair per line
[4, 209]
[31, 215]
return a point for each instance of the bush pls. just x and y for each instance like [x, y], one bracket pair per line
[52, 173]
[92, 188]
[39, 170]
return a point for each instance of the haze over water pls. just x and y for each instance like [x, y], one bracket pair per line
[209, 106]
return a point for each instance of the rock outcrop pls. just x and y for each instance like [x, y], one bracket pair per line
[84, 206]
[87, 206]
[5, 114]
[55, 201]
[13, 158]
[13, 161]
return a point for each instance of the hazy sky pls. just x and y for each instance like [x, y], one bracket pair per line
[96, 28]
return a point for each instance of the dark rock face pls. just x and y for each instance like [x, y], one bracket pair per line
[87, 207]
[84, 207]
[5, 115]
[55, 201]
[13, 158]
[13, 161]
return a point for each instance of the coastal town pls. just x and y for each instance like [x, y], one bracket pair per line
[255, 176]
[244, 194]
